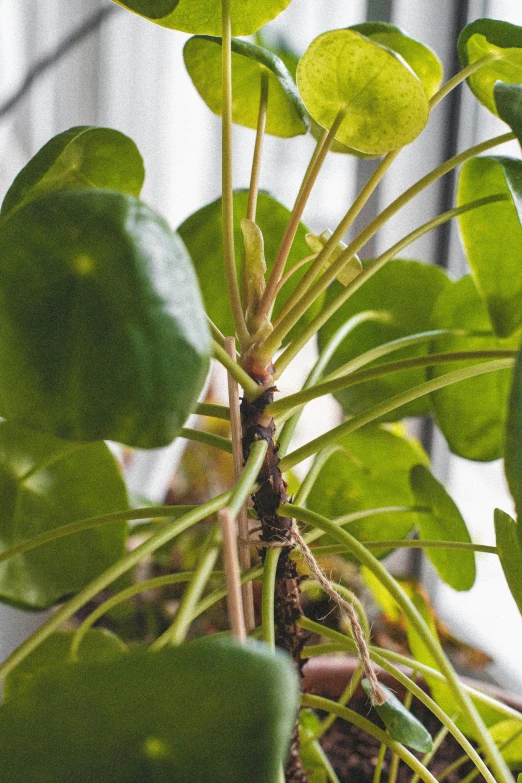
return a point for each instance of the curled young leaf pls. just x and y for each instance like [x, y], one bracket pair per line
[401, 724]
[202, 234]
[501, 43]
[254, 270]
[102, 329]
[285, 116]
[316, 242]
[82, 157]
[47, 483]
[382, 102]
[492, 236]
[204, 16]
[444, 522]
[421, 59]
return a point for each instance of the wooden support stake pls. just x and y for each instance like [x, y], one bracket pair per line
[242, 520]
[233, 577]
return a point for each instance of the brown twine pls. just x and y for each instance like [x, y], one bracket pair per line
[260, 544]
[377, 695]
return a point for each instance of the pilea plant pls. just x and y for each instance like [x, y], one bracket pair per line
[108, 321]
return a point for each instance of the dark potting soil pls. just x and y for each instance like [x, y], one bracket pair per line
[353, 753]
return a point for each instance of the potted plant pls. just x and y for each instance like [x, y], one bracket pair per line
[108, 321]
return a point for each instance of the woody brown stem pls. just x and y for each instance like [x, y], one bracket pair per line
[277, 529]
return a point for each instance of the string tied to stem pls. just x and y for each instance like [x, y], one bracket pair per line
[377, 695]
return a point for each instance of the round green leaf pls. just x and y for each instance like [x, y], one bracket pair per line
[385, 103]
[215, 711]
[153, 9]
[82, 157]
[405, 293]
[509, 547]
[508, 100]
[102, 330]
[97, 645]
[401, 724]
[502, 41]
[290, 58]
[492, 237]
[46, 483]
[421, 59]
[471, 414]
[443, 523]
[204, 16]
[370, 470]
[202, 234]
[286, 114]
[513, 450]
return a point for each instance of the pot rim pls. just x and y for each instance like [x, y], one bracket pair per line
[330, 675]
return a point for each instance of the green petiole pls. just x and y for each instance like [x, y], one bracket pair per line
[374, 413]
[286, 404]
[365, 275]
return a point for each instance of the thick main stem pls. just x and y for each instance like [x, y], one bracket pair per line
[276, 530]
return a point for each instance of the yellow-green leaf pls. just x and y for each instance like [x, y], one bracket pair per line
[153, 9]
[421, 59]
[404, 292]
[385, 105]
[286, 115]
[316, 242]
[204, 16]
[370, 470]
[507, 735]
[513, 452]
[83, 157]
[500, 41]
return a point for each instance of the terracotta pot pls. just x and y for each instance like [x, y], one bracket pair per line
[352, 752]
[329, 676]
